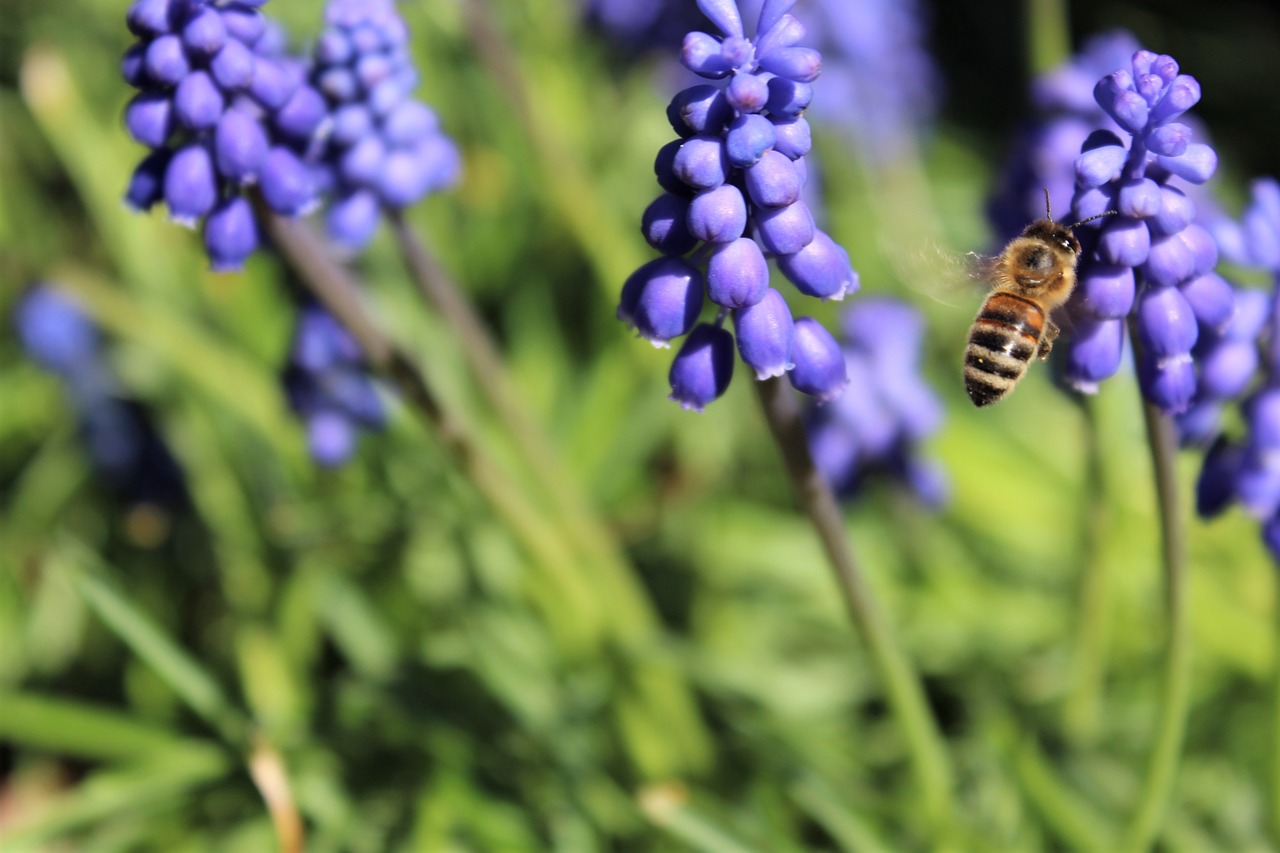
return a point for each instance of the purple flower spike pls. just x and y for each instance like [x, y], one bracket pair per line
[382, 144]
[733, 182]
[194, 63]
[701, 370]
[1152, 260]
[819, 364]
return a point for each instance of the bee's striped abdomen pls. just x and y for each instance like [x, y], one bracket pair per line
[1003, 339]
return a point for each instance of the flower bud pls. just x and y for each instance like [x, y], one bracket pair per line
[701, 163]
[786, 230]
[662, 300]
[1106, 291]
[819, 364]
[747, 140]
[793, 137]
[775, 181]
[765, 330]
[718, 215]
[190, 185]
[701, 370]
[230, 234]
[665, 225]
[737, 274]
[820, 269]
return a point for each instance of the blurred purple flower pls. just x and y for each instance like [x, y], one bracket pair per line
[328, 387]
[119, 434]
[878, 430]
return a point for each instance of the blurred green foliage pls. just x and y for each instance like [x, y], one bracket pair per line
[422, 677]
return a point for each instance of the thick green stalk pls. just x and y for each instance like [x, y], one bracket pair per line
[1084, 697]
[906, 697]
[1274, 793]
[1162, 768]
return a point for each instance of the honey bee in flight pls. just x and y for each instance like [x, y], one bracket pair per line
[1031, 277]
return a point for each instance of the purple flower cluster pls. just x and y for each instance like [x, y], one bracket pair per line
[222, 109]
[384, 149]
[1152, 260]
[877, 431]
[122, 442]
[732, 183]
[328, 387]
[1248, 471]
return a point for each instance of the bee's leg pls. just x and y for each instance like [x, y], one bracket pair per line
[1051, 332]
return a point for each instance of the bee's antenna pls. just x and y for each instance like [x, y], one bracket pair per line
[1095, 216]
[1047, 213]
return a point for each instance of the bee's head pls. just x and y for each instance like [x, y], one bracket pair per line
[1058, 236]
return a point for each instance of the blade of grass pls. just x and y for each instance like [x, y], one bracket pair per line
[79, 730]
[175, 666]
[134, 790]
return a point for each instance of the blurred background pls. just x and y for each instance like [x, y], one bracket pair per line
[226, 641]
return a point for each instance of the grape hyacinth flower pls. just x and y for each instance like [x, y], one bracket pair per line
[1152, 260]
[119, 435]
[732, 182]
[385, 149]
[877, 431]
[1248, 471]
[328, 387]
[221, 109]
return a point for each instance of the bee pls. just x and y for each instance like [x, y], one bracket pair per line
[1031, 277]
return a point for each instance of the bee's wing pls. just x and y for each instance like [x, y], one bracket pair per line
[943, 275]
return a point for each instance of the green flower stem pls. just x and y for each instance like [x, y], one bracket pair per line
[1048, 34]
[906, 697]
[1275, 726]
[1175, 699]
[1083, 702]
